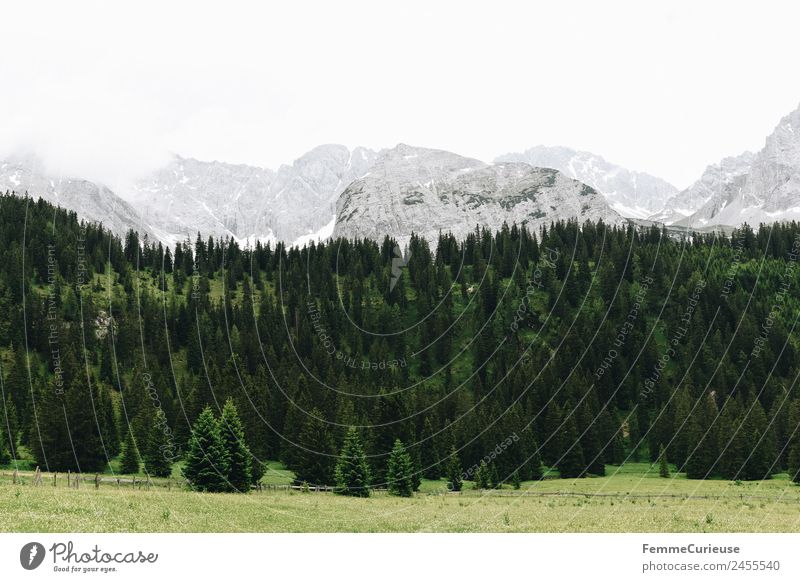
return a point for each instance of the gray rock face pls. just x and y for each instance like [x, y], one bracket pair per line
[92, 202]
[247, 202]
[715, 188]
[429, 191]
[752, 188]
[302, 200]
[189, 196]
[631, 194]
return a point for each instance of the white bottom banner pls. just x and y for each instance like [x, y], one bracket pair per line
[356, 557]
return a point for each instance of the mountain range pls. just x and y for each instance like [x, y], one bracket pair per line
[411, 189]
[335, 190]
[632, 194]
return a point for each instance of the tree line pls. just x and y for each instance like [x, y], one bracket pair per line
[582, 345]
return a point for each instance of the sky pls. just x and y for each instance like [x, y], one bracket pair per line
[107, 91]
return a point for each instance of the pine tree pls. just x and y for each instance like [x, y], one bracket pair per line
[663, 467]
[207, 459]
[681, 441]
[454, 472]
[571, 464]
[400, 471]
[129, 463]
[430, 452]
[494, 476]
[5, 455]
[86, 446]
[794, 463]
[240, 473]
[9, 423]
[352, 470]
[481, 477]
[533, 467]
[160, 450]
[702, 437]
[762, 456]
[590, 440]
[733, 442]
[314, 458]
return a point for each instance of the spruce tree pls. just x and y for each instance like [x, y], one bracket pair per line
[681, 440]
[663, 467]
[399, 472]
[533, 467]
[733, 442]
[5, 454]
[129, 462]
[454, 472]
[494, 476]
[352, 470]
[314, 458]
[794, 463]
[207, 460]
[702, 437]
[571, 464]
[240, 473]
[160, 450]
[10, 425]
[762, 454]
[480, 480]
[430, 452]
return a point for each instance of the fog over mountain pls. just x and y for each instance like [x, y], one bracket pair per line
[358, 192]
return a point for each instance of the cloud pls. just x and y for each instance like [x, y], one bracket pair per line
[107, 91]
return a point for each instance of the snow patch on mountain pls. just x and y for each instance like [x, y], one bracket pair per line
[631, 194]
[429, 191]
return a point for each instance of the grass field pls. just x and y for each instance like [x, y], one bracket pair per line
[631, 499]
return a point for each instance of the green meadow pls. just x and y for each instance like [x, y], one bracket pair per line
[632, 498]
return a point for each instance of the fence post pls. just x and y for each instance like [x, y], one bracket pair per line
[55, 478]
[69, 477]
[97, 480]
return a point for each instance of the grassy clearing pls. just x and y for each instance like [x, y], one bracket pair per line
[633, 499]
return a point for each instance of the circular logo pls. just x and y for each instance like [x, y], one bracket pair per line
[31, 555]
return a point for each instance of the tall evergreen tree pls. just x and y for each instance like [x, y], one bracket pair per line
[481, 477]
[352, 470]
[454, 472]
[571, 463]
[315, 457]
[702, 439]
[794, 463]
[160, 450]
[399, 472]
[762, 456]
[9, 424]
[207, 460]
[429, 452]
[663, 467]
[240, 472]
[5, 454]
[129, 462]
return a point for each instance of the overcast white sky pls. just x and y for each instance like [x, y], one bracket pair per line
[105, 92]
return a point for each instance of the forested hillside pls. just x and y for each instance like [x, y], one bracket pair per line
[502, 357]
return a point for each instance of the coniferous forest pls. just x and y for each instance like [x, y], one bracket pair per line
[505, 357]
